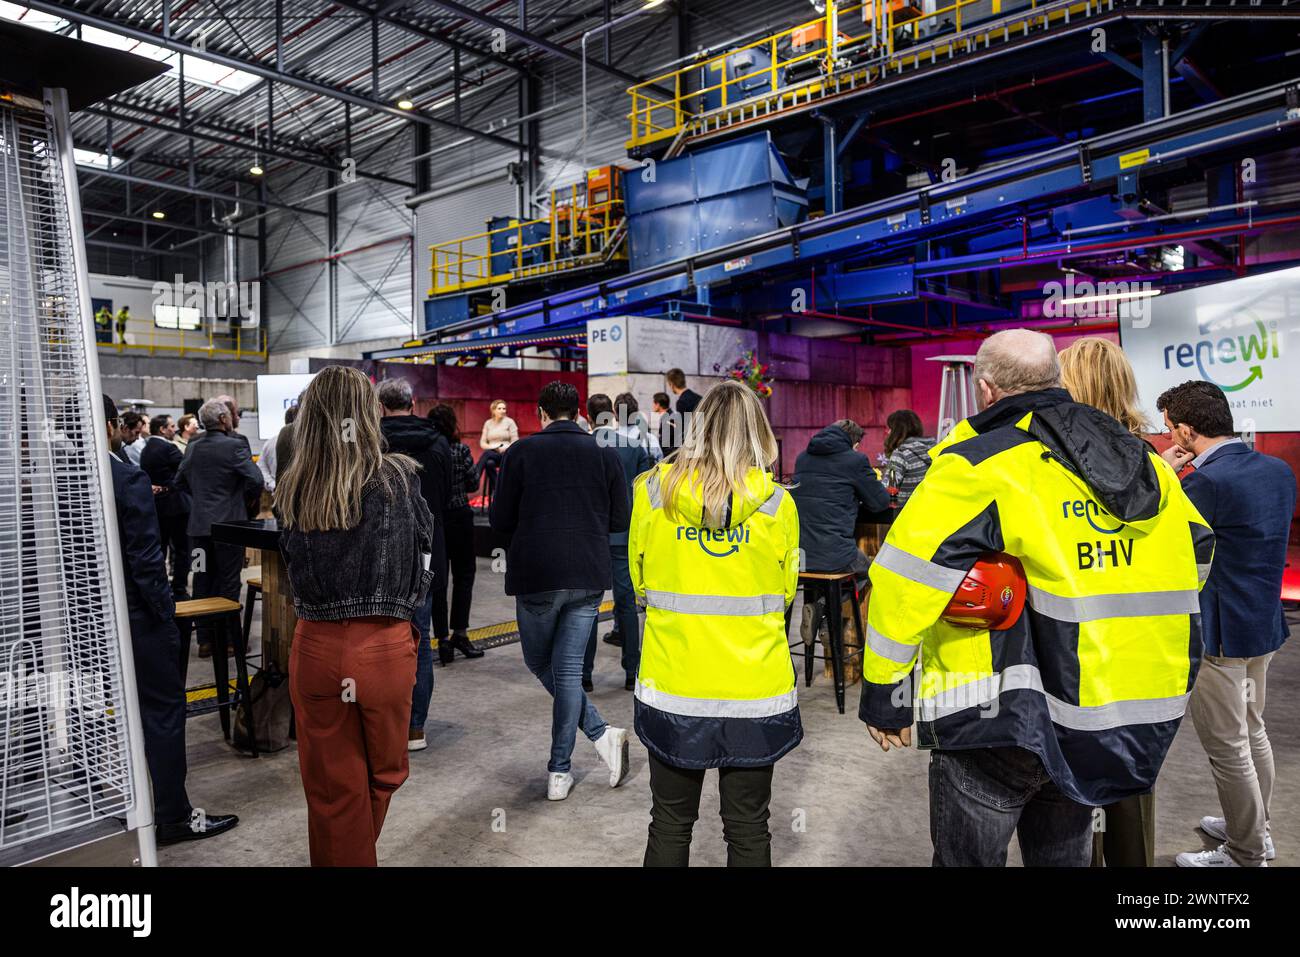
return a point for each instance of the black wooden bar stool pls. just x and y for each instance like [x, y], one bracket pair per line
[825, 592]
[226, 631]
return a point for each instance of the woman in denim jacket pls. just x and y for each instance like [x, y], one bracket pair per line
[355, 537]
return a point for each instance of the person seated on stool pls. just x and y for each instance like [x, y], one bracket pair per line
[499, 433]
[155, 647]
[832, 480]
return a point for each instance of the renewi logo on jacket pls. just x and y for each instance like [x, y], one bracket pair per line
[1094, 677]
[716, 686]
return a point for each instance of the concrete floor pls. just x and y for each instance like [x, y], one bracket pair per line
[476, 796]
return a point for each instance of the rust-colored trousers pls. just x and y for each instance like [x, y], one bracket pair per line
[351, 683]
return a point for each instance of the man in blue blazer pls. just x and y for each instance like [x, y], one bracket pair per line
[1249, 500]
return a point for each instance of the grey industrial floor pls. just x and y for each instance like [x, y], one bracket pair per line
[477, 795]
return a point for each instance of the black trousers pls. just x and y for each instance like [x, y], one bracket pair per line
[745, 793]
[176, 540]
[219, 578]
[461, 565]
[155, 646]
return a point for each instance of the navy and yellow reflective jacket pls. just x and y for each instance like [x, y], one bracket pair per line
[716, 685]
[1094, 677]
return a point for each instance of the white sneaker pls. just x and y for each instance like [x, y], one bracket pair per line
[612, 748]
[558, 785]
[1218, 857]
[1217, 828]
[415, 740]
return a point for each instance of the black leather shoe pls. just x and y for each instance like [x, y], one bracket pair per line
[613, 638]
[629, 684]
[196, 829]
[587, 686]
[461, 644]
[446, 653]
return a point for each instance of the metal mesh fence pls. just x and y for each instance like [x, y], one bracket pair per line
[64, 755]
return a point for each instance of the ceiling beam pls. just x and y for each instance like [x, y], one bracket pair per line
[189, 132]
[194, 191]
[161, 223]
[256, 68]
[533, 40]
[387, 12]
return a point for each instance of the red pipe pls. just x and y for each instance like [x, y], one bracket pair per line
[1149, 240]
[335, 256]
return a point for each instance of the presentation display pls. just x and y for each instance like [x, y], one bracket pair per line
[275, 393]
[1243, 335]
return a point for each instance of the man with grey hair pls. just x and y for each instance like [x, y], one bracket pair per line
[1035, 716]
[219, 474]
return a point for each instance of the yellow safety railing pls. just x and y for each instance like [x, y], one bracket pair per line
[576, 233]
[873, 26]
[143, 336]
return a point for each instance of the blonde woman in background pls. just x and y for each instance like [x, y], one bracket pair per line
[356, 536]
[499, 433]
[1097, 373]
[713, 550]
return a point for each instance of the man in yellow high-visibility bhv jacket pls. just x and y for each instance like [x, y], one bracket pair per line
[1076, 705]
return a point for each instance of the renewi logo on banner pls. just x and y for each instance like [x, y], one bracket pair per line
[1242, 335]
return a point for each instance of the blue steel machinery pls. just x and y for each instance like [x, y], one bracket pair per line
[738, 244]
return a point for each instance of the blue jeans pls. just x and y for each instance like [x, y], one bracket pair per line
[981, 796]
[423, 692]
[553, 630]
[625, 617]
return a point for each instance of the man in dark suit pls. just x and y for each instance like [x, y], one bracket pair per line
[155, 648]
[161, 460]
[559, 497]
[1249, 500]
[219, 473]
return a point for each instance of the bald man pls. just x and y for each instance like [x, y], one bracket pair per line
[1072, 705]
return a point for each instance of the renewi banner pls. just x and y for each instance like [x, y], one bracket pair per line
[1242, 335]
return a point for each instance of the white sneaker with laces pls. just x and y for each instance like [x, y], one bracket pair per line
[1217, 828]
[558, 785]
[612, 748]
[1218, 857]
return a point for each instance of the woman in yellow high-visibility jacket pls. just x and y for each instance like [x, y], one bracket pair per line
[714, 554]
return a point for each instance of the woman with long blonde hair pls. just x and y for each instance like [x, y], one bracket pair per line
[714, 554]
[1096, 372]
[356, 536]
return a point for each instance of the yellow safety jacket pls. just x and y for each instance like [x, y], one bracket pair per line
[716, 685]
[1094, 677]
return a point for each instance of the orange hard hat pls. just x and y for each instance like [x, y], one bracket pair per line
[992, 595]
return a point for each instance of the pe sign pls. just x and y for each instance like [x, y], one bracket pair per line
[607, 346]
[1242, 335]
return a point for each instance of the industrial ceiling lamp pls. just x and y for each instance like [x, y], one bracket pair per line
[405, 102]
[159, 214]
[256, 168]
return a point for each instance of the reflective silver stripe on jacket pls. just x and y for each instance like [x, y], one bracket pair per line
[1117, 714]
[1126, 605]
[918, 569]
[717, 707]
[714, 604]
[773, 502]
[888, 647]
[652, 490]
[1203, 572]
